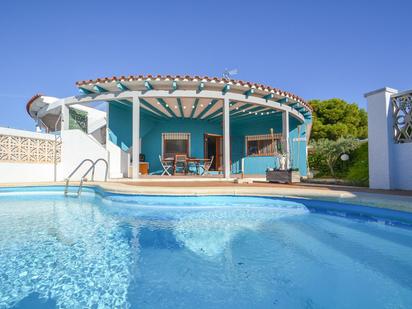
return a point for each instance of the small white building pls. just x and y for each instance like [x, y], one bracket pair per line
[86, 118]
[390, 138]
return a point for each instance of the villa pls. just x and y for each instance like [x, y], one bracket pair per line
[202, 240]
[174, 125]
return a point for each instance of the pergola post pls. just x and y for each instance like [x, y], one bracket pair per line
[135, 137]
[65, 117]
[285, 133]
[226, 138]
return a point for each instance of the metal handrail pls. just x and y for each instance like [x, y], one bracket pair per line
[83, 178]
[74, 171]
[107, 168]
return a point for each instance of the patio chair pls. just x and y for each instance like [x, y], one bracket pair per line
[167, 166]
[192, 167]
[180, 164]
[206, 166]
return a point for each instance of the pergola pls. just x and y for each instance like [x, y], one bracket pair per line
[169, 97]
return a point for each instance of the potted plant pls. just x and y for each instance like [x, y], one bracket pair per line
[282, 174]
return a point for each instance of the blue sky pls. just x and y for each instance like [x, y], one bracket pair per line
[315, 49]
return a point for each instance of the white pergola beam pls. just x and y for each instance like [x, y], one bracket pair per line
[285, 133]
[226, 137]
[205, 94]
[135, 137]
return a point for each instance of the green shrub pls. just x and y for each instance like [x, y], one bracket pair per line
[329, 152]
[358, 172]
[317, 164]
[355, 170]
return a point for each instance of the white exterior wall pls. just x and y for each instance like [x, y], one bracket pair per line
[389, 163]
[402, 166]
[11, 172]
[380, 138]
[26, 172]
[119, 161]
[76, 146]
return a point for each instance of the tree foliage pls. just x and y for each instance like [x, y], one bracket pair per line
[329, 151]
[336, 118]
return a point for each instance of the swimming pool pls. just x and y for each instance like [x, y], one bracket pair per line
[120, 251]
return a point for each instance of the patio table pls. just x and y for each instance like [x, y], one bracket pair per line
[198, 163]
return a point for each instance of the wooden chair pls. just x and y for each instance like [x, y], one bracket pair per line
[180, 164]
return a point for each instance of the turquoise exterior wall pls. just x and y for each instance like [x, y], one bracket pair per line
[254, 126]
[120, 125]
[152, 140]
[297, 144]
[120, 133]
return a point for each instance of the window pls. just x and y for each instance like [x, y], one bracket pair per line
[175, 143]
[263, 145]
[77, 120]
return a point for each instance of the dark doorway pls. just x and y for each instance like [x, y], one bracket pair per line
[214, 148]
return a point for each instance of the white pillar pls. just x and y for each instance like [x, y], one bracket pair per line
[226, 138]
[135, 137]
[285, 133]
[64, 118]
[380, 137]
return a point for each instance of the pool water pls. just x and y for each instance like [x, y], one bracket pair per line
[195, 252]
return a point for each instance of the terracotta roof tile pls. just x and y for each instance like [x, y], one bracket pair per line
[196, 77]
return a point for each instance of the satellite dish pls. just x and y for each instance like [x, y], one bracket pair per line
[229, 73]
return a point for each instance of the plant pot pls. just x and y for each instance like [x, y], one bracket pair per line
[283, 176]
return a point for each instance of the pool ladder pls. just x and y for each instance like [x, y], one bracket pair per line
[83, 178]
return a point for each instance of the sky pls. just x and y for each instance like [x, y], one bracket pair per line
[314, 49]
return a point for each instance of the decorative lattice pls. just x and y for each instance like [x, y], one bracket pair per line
[402, 118]
[28, 150]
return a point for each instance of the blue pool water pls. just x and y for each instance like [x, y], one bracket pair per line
[198, 252]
